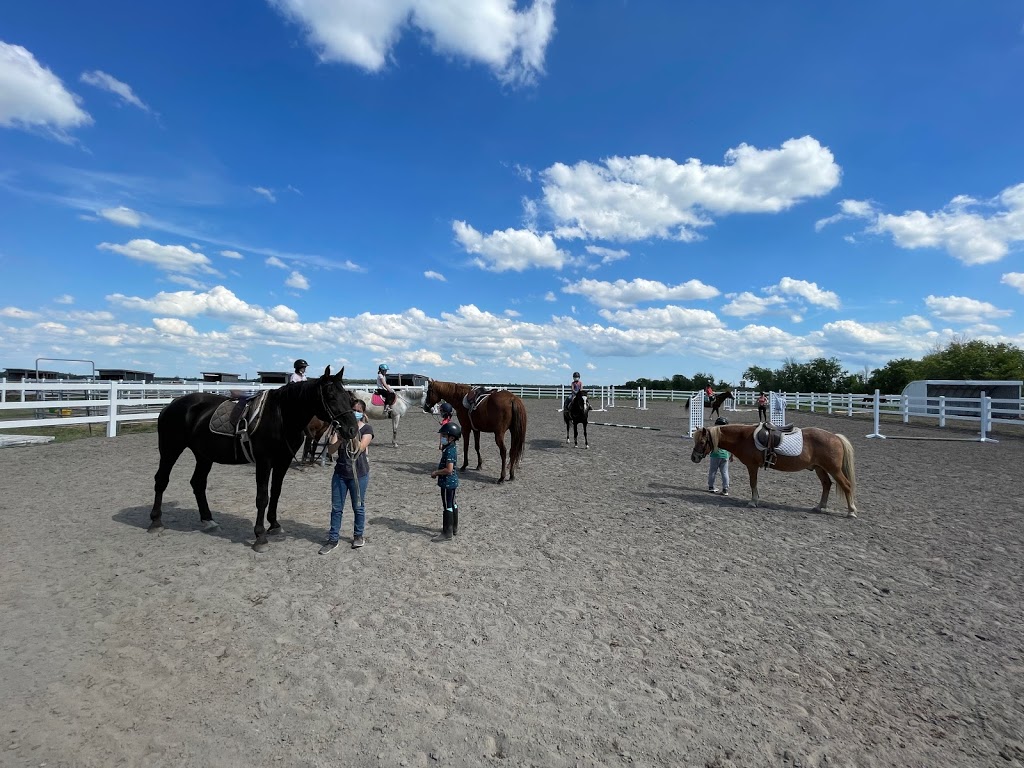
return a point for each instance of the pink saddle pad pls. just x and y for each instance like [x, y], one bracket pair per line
[376, 399]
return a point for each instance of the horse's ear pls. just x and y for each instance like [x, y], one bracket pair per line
[327, 371]
[338, 376]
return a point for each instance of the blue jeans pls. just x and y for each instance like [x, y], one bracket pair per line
[718, 465]
[340, 487]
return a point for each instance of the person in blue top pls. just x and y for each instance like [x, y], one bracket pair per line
[720, 459]
[448, 479]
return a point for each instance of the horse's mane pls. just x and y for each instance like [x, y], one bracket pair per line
[714, 433]
[450, 391]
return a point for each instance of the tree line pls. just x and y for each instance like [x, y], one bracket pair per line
[959, 360]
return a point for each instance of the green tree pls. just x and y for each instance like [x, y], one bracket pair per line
[974, 360]
[760, 378]
[894, 376]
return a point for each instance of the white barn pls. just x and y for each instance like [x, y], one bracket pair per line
[961, 396]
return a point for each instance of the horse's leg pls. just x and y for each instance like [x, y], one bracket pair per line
[499, 439]
[826, 487]
[198, 482]
[262, 497]
[277, 478]
[586, 443]
[575, 434]
[752, 471]
[465, 450]
[567, 422]
[168, 456]
[476, 444]
[394, 428]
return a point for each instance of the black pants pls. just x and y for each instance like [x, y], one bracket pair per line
[389, 397]
[762, 413]
[448, 499]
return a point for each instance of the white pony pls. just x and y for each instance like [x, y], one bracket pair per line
[405, 399]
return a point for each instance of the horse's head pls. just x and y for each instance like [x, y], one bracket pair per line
[336, 402]
[430, 397]
[703, 444]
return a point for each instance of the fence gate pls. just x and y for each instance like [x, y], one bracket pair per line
[696, 412]
[777, 408]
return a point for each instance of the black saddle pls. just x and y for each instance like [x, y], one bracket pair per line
[769, 435]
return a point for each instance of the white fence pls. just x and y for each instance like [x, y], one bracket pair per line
[55, 404]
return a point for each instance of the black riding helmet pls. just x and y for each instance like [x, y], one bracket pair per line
[446, 409]
[300, 363]
[451, 429]
[720, 422]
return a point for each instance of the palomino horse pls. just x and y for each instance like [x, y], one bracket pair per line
[500, 412]
[405, 399]
[829, 455]
[185, 423]
[576, 414]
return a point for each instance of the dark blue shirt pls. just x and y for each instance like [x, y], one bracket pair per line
[450, 455]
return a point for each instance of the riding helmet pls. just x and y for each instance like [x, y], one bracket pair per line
[720, 422]
[451, 429]
[300, 363]
[446, 409]
[382, 367]
[576, 374]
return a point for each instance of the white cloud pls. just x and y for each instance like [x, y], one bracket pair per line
[550, 296]
[115, 86]
[621, 293]
[426, 357]
[284, 314]
[263, 191]
[16, 313]
[670, 317]
[231, 255]
[1014, 280]
[126, 217]
[174, 326]
[66, 298]
[171, 258]
[608, 255]
[493, 32]
[432, 275]
[273, 261]
[188, 282]
[512, 313]
[515, 249]
[32, 97]
[746, 304]
[805, 290]
[848, 209]
[960, 309]
[297, 280]
[296, 190]
[218, 302]
[639, 197]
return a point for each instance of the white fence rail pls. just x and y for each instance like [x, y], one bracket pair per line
[57, 404]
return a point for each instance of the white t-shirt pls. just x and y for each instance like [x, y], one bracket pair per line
[382, 381]
[298, 377]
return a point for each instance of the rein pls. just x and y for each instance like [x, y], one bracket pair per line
[331, 415]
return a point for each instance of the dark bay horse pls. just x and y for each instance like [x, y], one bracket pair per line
[185, 423]
[829, 455]
[718, 400]
[500, 412]
[576, 414]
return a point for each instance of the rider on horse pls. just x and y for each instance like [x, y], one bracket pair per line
[575, 388]
[300, 370]
[384, 389]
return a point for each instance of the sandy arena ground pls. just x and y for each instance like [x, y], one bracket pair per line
[603, 609]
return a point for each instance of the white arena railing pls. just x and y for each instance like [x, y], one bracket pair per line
[65, 403]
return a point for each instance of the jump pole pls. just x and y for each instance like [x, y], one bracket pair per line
[626, 426]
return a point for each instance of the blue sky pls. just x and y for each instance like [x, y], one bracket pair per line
[491, 191]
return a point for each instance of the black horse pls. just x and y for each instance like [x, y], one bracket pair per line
[185, 423]
[575, 412]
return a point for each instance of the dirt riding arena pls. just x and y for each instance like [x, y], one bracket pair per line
[603, 609]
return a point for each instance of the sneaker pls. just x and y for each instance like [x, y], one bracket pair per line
[725, 491]
[329, 547]
[357, 542]
[712, 490]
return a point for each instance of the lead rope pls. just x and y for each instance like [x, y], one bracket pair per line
[352, 451]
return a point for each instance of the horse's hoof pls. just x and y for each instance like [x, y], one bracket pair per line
[260, 546]
[851, 513]
[208, 526]
[587, 447]
[817, 510]
[155, 528]
[275, 530]
[752, 505]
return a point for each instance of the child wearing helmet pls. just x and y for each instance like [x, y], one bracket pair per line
[448, 479]
[384, 389]
[300, 370]
[447, 413]
[574, 389]
[720, 459]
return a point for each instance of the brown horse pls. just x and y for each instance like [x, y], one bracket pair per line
[718, 400]
[829, 455]
[500, 412]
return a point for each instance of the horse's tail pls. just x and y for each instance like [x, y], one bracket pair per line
[687, 403]
[518, 428]
[849, 469]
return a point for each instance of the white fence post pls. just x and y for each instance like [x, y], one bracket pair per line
[877, 433]
[986, 419]
[942, 410]
[112, 410]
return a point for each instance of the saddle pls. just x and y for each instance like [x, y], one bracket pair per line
[376, 399]
[239, 418]
[475, 397]
[773, 441]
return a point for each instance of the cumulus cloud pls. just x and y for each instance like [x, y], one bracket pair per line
[607, 255]
[174, 326]
[848, 209]
[110, 83]
[171, 258]
[432, 275]
[964, 310]
[511, 249]
[495, 33]
[663, 317]
[550, 296]
[16, 313]
[1014, 280]
[231, 255]
[284, 314]
[273, 261]
[746, 304]
[808, 291]
[66, 298]
[640, 197]
[264, 192]
[972, 231]
[622, 293]
[218, 302]
[297, 280]
[32, 97]
[126, 217]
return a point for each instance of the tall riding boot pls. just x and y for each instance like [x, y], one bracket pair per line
[455, 521]
[446, 529]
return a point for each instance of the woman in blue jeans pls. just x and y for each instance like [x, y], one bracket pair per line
[345, 482]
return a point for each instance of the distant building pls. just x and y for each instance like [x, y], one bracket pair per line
[223, 378]
[20, 374]
[120, 374]
[274, 377]
[407, 379]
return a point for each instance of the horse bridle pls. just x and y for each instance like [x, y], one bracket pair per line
[332, 416]
[707, 444]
